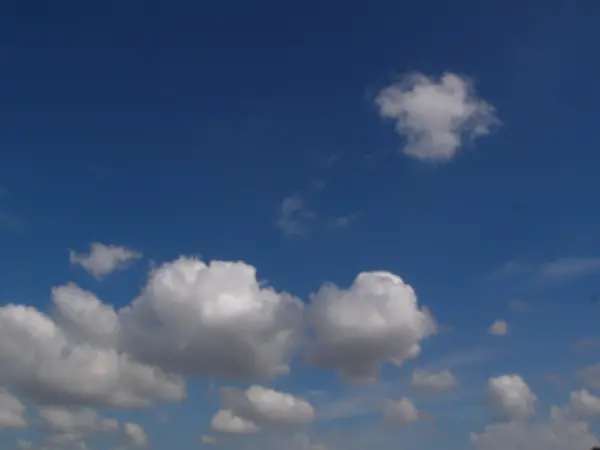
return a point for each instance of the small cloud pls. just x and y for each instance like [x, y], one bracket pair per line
[103, 259]
[590, 376]
[337, 223]
[294, 218]
[498, 328]
[208, 440]
[436, 117]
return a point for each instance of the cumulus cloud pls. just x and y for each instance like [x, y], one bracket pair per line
[103, 259]
[433, 383]
[436, 116]
[135, 435]
[498, 328]
[582, 406]
[400, 412]
[212, 319]
[12, 411]
[225, 421]
[511, 397]
[377, 320]
[40, 361]
[77, 422]
[258, 407]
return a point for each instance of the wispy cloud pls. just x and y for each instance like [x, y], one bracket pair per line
[340, 222]
[10, 221]
[462, 358]
[294, 217]
[560, 270]
[520, 306]
[586, 344]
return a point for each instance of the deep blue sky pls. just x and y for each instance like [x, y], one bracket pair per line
[179, 128]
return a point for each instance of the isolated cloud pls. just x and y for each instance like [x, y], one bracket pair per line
[12, 411]
[103, 259]
[511, 397]
[498, 328]
[294, 218]
[433, 383]
[435, 116]
[212, 319]
[377, 320]
[259, 407]
[207, 440]
[135, 435]
[400, 412]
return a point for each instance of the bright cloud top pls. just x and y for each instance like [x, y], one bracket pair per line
[511, 397]
[436, 116]
[103, 259]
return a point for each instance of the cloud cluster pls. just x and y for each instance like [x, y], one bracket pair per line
[436, 116]
[564, 428]
[258, 407]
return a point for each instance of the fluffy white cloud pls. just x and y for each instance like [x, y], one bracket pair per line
[511, 396]
[498, 328]
[376, 320]
[103, 259]
[433, 382]
[12, 411]
[135, 435]
[216, 319]
[39, 361]
[258, 407]
[582, 406]
[225, 421]
[435, 116]
[80, 421]
[400, 412]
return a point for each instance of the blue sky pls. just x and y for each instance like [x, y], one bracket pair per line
[305, 141]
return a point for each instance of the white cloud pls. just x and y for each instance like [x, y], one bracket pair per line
[433, 382]
[400, 412]
[376, 320]
[582, 406]
[498, 328]
[436, 116]
[103, 259]
[225, 421]
[258, 407]
[79, 421]
[511, 397]
[215, 320]
[135, 435]
[40, 361]
[12, 411]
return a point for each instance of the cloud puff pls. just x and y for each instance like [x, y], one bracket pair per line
[376, 320]
[582, 406]
[511, 396]
[435, 116]
[212, 319]
[103, 259]
[12, 411]
[498, 328]
[400, 412]
[40, 361]
[135, 435]
[258, 407]
[433, 383]
[294, 218]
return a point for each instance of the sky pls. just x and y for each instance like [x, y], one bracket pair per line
[311, 226]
